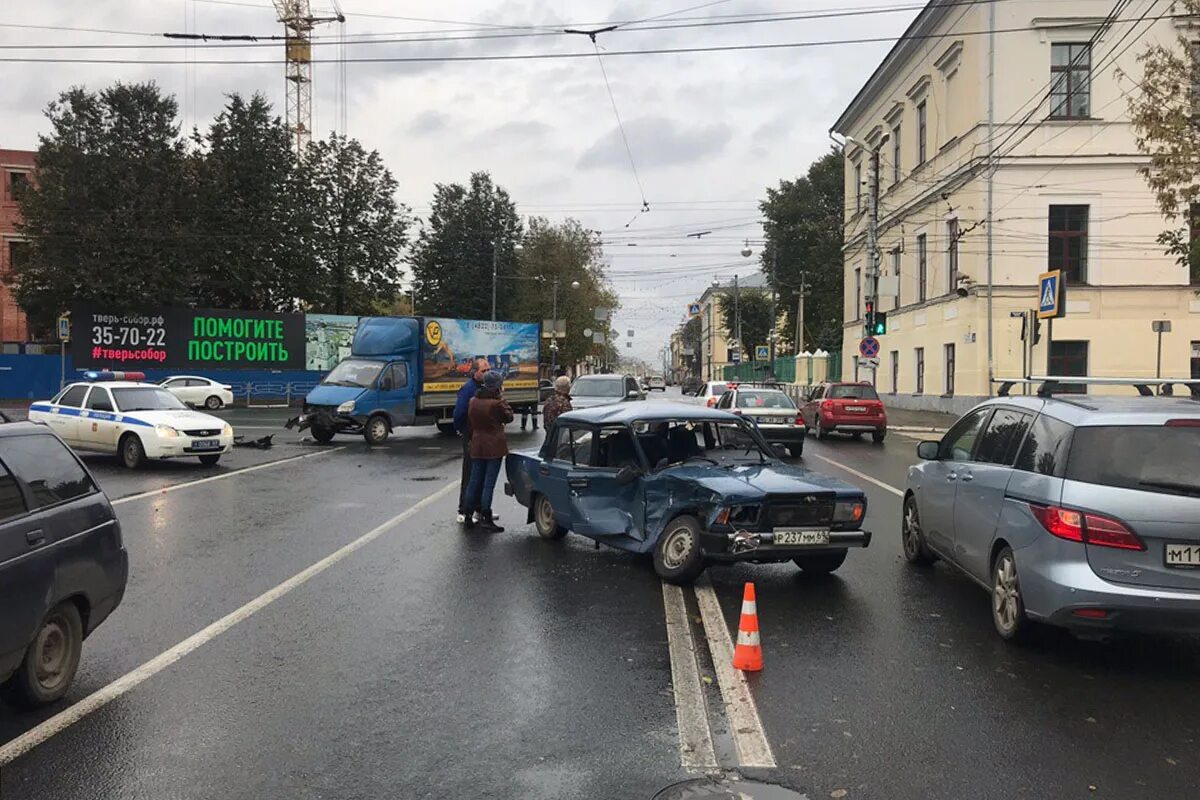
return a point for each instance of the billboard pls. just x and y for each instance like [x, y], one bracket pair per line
[187, 338]
[450, 346]
[327, 340]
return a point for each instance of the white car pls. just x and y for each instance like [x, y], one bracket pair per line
[711, 392]
[136, 421]
[197, 391]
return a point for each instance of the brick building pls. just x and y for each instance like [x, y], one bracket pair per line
[16, 169]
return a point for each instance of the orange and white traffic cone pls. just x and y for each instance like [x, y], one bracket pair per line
[747, 656]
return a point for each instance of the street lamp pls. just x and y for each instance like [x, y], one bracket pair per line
[554, 322]
[495, 268]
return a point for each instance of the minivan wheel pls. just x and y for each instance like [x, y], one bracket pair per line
[133, 454]
[50, 662]
[543, 519]
[376, 431]
[912, 539]
[1008, 609]
[678, 556]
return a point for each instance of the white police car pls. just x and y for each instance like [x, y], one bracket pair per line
[114, 412]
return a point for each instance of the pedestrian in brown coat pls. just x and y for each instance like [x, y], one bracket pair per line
[557, 403]
[488, 413]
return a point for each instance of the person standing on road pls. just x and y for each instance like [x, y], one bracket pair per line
[488, 415]
[462, 426]
[557, 403]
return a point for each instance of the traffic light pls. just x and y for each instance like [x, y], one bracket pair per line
[1037, 330]
[879, 324]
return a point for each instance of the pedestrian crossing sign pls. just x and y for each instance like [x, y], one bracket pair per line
[693, 309]
[762, 352]
[1051, 295]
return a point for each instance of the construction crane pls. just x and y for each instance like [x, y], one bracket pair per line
[298, 23]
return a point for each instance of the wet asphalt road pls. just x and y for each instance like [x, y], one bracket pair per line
[429, 663]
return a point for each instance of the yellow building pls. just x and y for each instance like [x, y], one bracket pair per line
[1042, 146]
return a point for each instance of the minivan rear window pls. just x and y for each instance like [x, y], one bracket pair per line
[1148, 458]
[853, 392]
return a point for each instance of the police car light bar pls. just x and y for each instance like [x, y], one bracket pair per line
[99, 375]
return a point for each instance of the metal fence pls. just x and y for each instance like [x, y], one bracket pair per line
[271, 394]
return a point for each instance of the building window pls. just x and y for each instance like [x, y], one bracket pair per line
[896, 154]
[1068, 242]
[894, 357]
[896, 254]
[1196, 360]
[922, 128]
[857, 188]
[18, 254]
[1070, 80]
[922, 269]
[17, 183]
[949, 350]
[920, 351]
[952, 255]
[1071, 359]
[858, 293]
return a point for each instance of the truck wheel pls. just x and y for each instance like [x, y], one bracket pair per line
[51, 660]
[376, 430]
[322, 434]
[133, 455]
[446, 428]
[678, 556]
[543, 519]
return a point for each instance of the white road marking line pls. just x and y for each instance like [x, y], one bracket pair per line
[695, 736]
[749, 736]
[176, 486]
[858, 474]
[131, 680]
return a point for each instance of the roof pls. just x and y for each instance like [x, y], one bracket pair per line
[911, 40]
[1089, 410]
[628, 412]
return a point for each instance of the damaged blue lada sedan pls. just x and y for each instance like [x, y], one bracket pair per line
[690, 485]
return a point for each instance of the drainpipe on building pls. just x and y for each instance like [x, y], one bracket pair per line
[991, 185]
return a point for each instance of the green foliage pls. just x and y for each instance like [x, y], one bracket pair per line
[568, 253]
[109, 218]
[452, 261]
[754, 308]
[358, 228]
[804, 240]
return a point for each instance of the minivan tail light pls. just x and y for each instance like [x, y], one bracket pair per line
[1093, 529]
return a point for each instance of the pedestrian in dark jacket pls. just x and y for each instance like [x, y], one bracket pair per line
[462, 426]
[557, 403]
[488, 414]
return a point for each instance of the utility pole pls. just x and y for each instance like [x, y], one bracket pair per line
[495, 267]
[737, 316]
[872, 288]
[774, 321]
[553, 331]
[800, 313]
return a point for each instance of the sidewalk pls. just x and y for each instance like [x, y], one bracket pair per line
[900, 419]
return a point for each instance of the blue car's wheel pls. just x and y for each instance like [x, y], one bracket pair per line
[543, 519]
[678, 556]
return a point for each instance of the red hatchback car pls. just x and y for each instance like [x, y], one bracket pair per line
[853, 408]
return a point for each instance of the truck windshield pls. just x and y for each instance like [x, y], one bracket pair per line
[354, 372]
[598, 387]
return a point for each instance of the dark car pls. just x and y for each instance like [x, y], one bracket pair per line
[589, 391]
[768, 407]
[853, 408]
[690, 485]
[62, 564]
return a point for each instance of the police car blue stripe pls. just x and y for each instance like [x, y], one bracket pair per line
[64, 411]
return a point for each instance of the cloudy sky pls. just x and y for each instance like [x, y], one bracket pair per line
[708, 131]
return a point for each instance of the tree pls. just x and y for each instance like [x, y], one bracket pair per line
[754, 308]
[358, 228]
[804, 242]
[565, 252]
[468, 227]
[1164, 114]
[110, 217]
[250, 211]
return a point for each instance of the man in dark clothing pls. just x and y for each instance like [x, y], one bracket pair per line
[462, 426]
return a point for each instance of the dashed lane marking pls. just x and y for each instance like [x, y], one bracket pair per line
[130, 681]
[187, 484]
[862, 475]
[696, 750]
[749, 736]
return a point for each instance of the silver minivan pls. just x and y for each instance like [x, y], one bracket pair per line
[1081, 512]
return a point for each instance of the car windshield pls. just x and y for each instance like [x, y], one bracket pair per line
[853, 391]
[764, 400]
[598, 387]
[354, 372]
[145, 398]
[1149, 458]
[673, 442]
